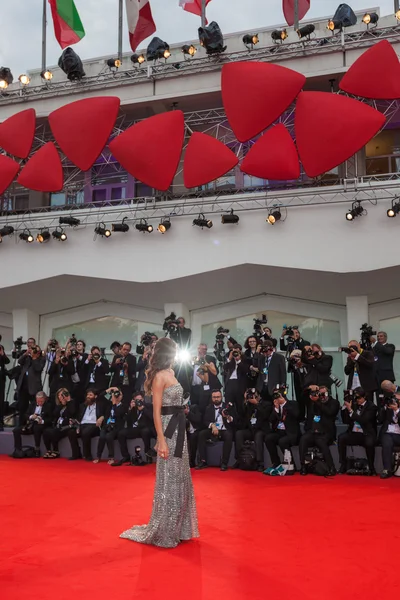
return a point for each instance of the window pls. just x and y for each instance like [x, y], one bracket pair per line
[383, 153]
[99, 195]
[57, 200]
[118, 193]
[22, 202]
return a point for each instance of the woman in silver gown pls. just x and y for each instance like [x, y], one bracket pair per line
[174, 517]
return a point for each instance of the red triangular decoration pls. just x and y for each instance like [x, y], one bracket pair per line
[83, 128]
[255, 94]
[376, 74]
[151, 149]
[43, 172]
[17, 133]
[331, 128]
[273, 156]
[206, 159]
[8, 170]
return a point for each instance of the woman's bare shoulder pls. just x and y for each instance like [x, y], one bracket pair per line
[164, 378]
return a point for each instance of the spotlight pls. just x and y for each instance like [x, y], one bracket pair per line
[6, 78]
[59, 235]
[6, 230]
[71, 64]
[164, 226]
[356, 211]
[157, 49]
[395, 208]
[306, 31]
[274, 216]
[370, 19]
[138, 59]
[46, 75]
[332, 25]
[343, 17]
[72, 221]
[114, 63]
[190, 50]
[24, 79]
[26, 236]
[230, 218]
[102, 230]
[250, 40]
[397, 15]
[211, 38]
[201, 221]
[279, 35]
[120, 227]
[144, 226]
[43, 236]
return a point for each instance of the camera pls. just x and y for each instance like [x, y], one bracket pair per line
[146, 338]
[391, 400]
[336, 381]
[366, 333]
[221, 333]
[18, 343]
[290, 330]
[137, 460]
[280, 390]
[74, 352]
[264, 349]
[258, 324]
[53, 345]
[74, 424]
[348, 350]
[116, 393]
[226, 411]
[139, 403]
[349, 395]
[27, 429]
[170, 323]
[72, 340]
[250, 394]
[236, 354]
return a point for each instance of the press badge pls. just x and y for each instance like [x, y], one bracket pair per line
[317, 418]
[206, 388]
[357, 428]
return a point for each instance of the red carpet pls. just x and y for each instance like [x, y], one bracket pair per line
[288, 538]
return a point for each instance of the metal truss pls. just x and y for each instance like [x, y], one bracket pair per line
[276, 52]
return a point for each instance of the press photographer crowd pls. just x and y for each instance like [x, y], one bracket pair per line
[233, 393]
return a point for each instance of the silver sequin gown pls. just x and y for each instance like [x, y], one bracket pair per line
[174, 516]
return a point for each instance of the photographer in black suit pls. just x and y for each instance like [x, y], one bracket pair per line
[284, 422]
[219, 421]
[320, 427]
[38, 417]
[318, 366]
[271, 369]
[202, 361]
[78, 357]
[60, 373]
[235, 379]
[389, 416]
[209, 382]
[139, 424]
[114, 422]
[360, 415]
[254, 425]
[4, 360]
[29, 382]
[360, 368]
[293, 340]
[123, 369]
[384, 355]
[299, 370]
[88, 425]
[66, 409]
[96, 371]
[194, 424]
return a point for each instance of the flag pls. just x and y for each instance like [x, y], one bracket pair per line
[192, 6]
[68, 27]
[140, 21]
[288, 10]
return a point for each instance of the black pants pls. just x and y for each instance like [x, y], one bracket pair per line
[132, 433]
[107, 437]
[24, 400]
[322, 441]
[37, 431]
[234, 393]
[389, 441]
[226, 436]
[86, 433]
[279, 439]
[2, 394]
[243, 435]
[51, 437]
[193, 440]
[357, 439]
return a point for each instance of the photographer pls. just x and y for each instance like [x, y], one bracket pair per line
[250, 345]
[4, 360]
[147, 339]
[115, 348]
[299, 371]
[293, 341]
[88, 425]
[17, 350]
[360, 368]
[29, 382]
[205, 361]
[390, 432]
[235, 378]
[209, 382]
[254, 426]
[194, 424]
[78, 357]
[60, 373]
[114, 422]
[318, 366]
[359, 414]
[139, 424]
[123, 369]
[320, 427]
[142, 366]
[177, 331]
[384, 355]
[36, 420]
[65, 411]
[267, 335]
[96, 371]
[219, 421]
[271, 370]
[284, 422]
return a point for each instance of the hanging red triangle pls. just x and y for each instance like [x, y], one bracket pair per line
[273, 156]
[376, 74]
[331, 128]
[206, 159]
[255, 94]
[151, 150]
[17, 133]
[43, 172]
[83, 128]
[8, 170]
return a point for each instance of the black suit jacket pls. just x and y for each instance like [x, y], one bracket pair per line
[60, 376]
[46, 415]
[366, 417]
[70, 411]
[289, 416]
[297, 345]
[318, 371]
[182, 336]
[34, 369]
[209, 417]
[117, 379]
[101, 377]
[384, 365]
[366, 371]
[327, 412]
[141, 367]
[261, 412]
[194, 418]
[146, 420]
[242, 372]
[385, 416]
[120, 411]
[101, 407]
[4, 360]
[276, 371]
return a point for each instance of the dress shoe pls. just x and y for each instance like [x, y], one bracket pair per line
[235, 465]
[372, 473]
[303, 470]
[386, 474]
[202, 465]
[342, 470]
[332, 472]
[75, 457]
[260, 468]
[224, 467]
[119, 463]
[37, 453]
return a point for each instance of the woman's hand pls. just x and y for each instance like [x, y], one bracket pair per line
[162, 449]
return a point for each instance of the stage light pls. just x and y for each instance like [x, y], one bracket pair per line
[71, 64]
[250, 40]
[201, 221]
[190, 50]
[24, 79]
[157, 49]
[114, 63]
[26, 236]
[120, 227]
[370, 19]
[59, 235]
[138, 59]
[144, 227]
[279, 35]
[356, 211]
[211, 38]
[332, 25]
[230, 218]
[72, 221]
[397, 15]
[394, 210]
[6, 78]
[164, 226]
[306, 31]
[46, 75]
[102, 230]
[43, 236]
[343, 17]
[5, 231]
[274, 216]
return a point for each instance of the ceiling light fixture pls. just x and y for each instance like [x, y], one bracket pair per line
[102, 230]
[202, 222]
[230, 218]
[144, 227]
[26, 236]
[122, 227]
[59, 235]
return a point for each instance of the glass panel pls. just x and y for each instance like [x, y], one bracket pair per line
[57, 200]
[254, 182]
[118, 193]
[392, 328]
[99, 195]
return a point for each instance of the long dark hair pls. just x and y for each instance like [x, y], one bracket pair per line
[163, 357]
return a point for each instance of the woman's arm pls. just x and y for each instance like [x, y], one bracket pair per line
[157, 391]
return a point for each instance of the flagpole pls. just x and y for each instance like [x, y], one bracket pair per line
[296, 15]
[44, 35]
[203, 13]
[120, 28]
